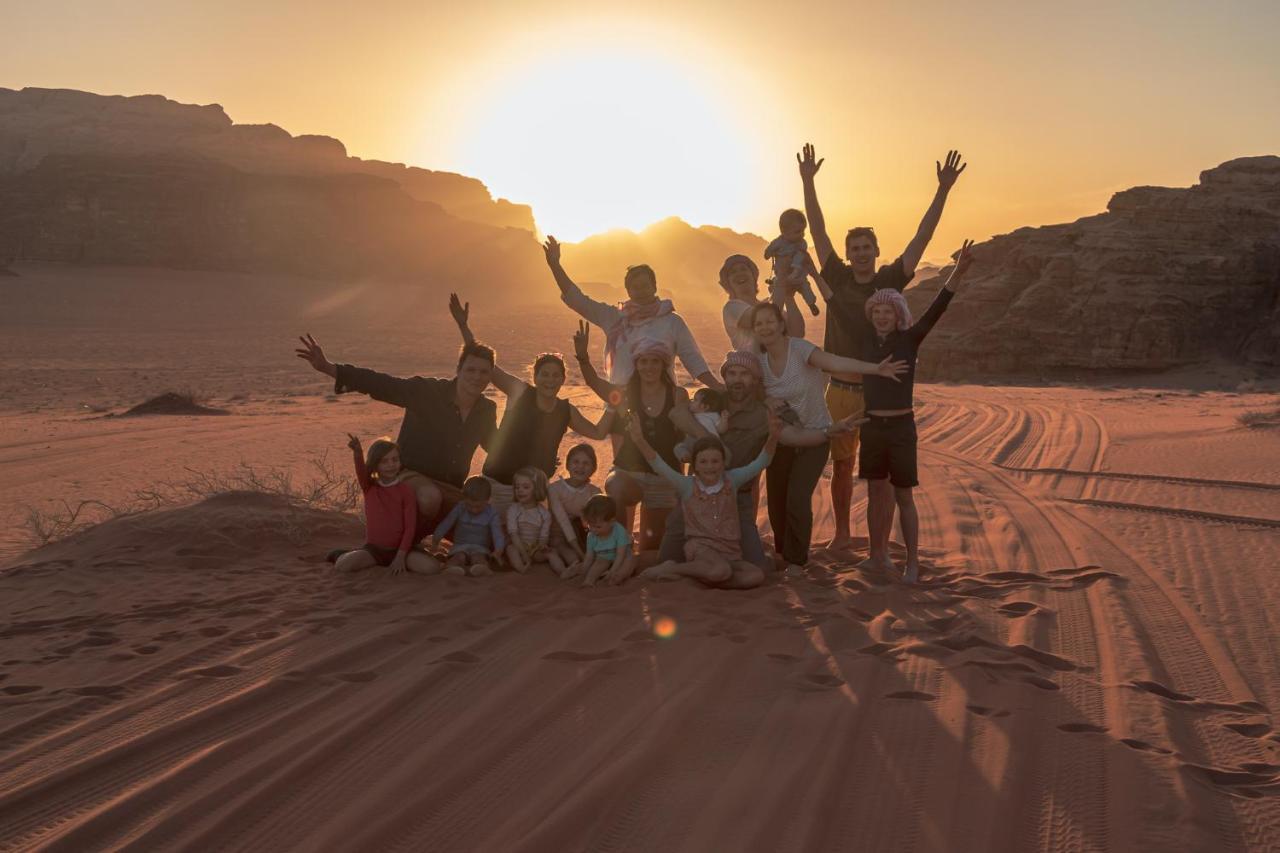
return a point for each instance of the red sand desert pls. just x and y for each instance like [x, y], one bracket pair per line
[1089, 663]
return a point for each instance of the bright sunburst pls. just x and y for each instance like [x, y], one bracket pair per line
[597, 139]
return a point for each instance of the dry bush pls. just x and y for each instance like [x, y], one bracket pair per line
[324, 488]
[1261, 418]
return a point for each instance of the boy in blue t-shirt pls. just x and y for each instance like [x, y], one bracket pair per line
[608, 543]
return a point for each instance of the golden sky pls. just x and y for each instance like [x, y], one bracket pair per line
[605, 115]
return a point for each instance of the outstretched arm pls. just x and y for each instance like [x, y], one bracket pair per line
[809, 167]
[395, 390]
[606, 391]
[942, 299]
[831, 363]
[599, 313]
[947, 175]
[599, 430]
[503, 381]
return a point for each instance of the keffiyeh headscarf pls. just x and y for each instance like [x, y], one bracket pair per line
[633, 314]
[889, 296]
[641, 347]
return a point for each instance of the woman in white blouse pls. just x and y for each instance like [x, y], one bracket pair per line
[795, 374]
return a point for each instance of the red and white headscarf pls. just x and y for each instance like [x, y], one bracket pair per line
[889, 296]
[641, 347]
[633, 314]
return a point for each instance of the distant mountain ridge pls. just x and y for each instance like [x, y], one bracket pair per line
[1167, 277]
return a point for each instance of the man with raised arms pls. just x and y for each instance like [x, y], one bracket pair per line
[643, 315]
[848, 331]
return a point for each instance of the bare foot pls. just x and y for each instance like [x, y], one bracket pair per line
[840, 543]
[912, 573]
[660, 572]
[481, 570]
[794, 571]
[455, 570]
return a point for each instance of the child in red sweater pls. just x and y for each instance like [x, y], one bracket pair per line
[390, 514]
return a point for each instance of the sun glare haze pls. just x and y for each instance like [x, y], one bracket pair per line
[600, 139]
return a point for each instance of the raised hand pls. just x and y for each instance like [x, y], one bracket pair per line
[890, 369]
[582, 341]
[354, 443]
[964, 259]
[948, 173]
[461, 313]
[311, 353]
[552, 250]
[808, 165]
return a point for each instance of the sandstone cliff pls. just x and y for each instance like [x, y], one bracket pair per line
[1165, 278]
[36, 123]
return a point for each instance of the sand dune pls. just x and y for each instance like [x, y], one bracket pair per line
[1089, 666]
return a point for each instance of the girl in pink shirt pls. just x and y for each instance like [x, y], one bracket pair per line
[390, 513]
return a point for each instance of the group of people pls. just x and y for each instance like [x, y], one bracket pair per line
[778, 405]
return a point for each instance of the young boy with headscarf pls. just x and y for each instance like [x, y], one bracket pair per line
[889, 437]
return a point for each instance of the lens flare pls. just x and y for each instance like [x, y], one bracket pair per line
[665, 628]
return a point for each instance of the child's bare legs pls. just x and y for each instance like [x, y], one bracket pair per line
[880, 510]
[910, 521]
[479, 565]
[573, 563]
[422, 564]
[704, 564]
[622, 569]
[515, 556]
[354, 561]
[550, 557]
[595, 568]
[456, 564]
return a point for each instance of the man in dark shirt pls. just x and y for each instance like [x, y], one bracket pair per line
[847, 288]
[748, 429]
[445, 420]
[888, 452]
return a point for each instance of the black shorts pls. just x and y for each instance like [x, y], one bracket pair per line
[384, 556]
[888, 449]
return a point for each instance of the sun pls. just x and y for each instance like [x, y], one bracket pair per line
[597, 139]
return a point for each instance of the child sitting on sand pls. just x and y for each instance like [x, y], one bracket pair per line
[608, 544]
[792, 265]
[390, 513]
[567, 496]
[709, 501]
[478, 535]
[708, 409]
[889, 437]
[529, 523]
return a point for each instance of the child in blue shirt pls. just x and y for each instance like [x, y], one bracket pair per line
[608, 543]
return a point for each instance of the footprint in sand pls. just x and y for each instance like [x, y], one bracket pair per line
[146, 650]
[1257, 730]
[1082, 727]
[914, 695]
[781, 657]
[1017, 609]
[1143, 746]
[20, 689]
[581, 656]
[357, 677]
[106, 691]
[460, 657]
[221, 671]
[214, 631]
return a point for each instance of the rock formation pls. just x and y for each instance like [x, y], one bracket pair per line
[1165, 278]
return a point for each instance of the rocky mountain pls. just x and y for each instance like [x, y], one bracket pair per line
[1167, 277]
[37, 123]
[686, 259]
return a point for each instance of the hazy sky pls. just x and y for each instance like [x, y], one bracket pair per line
[603, 115]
